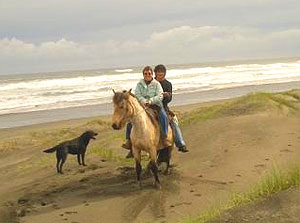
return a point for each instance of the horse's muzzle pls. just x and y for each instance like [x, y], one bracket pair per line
[115, 126]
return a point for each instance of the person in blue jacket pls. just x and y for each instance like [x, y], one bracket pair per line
[150, 93]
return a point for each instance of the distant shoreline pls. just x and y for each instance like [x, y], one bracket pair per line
[212, 63]
[55, 115]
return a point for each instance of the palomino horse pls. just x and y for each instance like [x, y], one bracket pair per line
[145, 133]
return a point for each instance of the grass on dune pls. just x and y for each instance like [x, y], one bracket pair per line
[277, 180]
[44, 138]
[248, 104]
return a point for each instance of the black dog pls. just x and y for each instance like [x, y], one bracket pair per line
[75, 147]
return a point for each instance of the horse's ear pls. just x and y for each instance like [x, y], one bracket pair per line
[113, 91]
[127, 93]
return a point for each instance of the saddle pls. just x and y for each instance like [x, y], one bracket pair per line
[153, 112]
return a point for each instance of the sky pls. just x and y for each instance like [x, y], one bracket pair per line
[54, 35]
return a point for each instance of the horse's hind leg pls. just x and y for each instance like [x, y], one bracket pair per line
[168, 152]
[164, 156]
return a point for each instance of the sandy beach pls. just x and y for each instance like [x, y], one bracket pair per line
[233, 143]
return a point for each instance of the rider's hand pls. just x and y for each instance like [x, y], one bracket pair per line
[148, 103]
[166, 94]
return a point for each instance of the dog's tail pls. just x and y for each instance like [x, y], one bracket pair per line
[51, 150]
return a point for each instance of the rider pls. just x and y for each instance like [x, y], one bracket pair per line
[160, 75]
[150, 93]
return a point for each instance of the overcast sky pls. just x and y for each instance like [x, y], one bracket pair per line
[52, 35]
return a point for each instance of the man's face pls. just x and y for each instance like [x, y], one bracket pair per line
[148, 75]
[160, 76]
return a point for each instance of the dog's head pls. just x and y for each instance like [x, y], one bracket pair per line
[89, 134]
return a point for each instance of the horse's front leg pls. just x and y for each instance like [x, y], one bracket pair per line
[138, 166]
[154, 169]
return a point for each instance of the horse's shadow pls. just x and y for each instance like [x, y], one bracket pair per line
[98, 187]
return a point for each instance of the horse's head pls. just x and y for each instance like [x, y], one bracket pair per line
[122, 109]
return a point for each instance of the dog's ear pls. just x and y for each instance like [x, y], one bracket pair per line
[113, 90]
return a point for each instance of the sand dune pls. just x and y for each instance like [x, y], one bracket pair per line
[232, 144]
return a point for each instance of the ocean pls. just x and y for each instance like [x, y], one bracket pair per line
[47, 91]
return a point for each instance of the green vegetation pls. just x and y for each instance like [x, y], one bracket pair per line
[248, 104]
[276, 181]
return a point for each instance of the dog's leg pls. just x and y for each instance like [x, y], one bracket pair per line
[82, 157]
[64, 158]
[78, 158]
[57, 165]
[57, 161]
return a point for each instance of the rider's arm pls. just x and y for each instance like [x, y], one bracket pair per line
[157, 99]
[168, 89]
[138, 93]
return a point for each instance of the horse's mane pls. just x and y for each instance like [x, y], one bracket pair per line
[120, 96]
[149, 112]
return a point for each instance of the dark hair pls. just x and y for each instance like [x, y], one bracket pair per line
[147, 68]
[160, 68]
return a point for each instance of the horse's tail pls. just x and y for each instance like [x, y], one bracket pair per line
[51, 150]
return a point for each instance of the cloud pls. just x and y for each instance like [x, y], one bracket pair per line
[181, 44]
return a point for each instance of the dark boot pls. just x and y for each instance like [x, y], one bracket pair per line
[183, 149]
[127, 144]
[129, 155]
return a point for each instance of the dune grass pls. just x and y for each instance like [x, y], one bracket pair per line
[277, 180]
[248, 104]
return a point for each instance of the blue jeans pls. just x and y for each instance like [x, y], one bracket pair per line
[163, 123]
[179, 142]
[163, 118]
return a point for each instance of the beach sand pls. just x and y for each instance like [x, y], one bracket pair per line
[232, 143]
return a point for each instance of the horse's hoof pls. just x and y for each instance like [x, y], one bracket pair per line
[147, 171]
[158, 186]
[166, 172]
